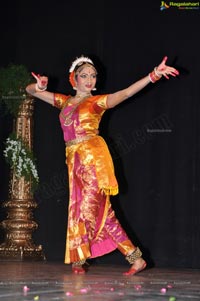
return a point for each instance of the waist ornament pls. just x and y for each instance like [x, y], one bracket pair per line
[78, 140]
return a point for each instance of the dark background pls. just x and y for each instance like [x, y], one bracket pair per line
[153, 137]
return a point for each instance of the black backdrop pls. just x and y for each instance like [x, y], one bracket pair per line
[153, 136]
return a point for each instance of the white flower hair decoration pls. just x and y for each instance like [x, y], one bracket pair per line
[79, 60]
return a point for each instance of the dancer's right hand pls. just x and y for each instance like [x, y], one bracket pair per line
[42, 81]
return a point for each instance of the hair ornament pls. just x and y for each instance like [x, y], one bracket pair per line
[71, 79]
[79, 60]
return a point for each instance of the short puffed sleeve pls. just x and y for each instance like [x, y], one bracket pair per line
[60, 100]
[100, 104]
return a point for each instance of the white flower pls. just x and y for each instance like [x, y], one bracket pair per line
[82, 59]
[20, 158]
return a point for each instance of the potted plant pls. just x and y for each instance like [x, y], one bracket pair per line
[18, 226]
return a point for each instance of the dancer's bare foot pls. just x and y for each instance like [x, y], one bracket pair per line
[78, 269]
[138, 266]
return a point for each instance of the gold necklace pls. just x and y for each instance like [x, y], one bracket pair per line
[68, 118]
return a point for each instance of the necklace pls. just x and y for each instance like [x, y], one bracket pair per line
[68, 118]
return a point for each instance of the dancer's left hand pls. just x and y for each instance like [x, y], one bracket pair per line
[165, 70]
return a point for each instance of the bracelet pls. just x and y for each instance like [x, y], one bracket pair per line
[154, 76]
[38, 89]
[156, 73]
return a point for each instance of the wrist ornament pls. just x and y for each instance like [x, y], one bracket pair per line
[154, 76]
[39, 89]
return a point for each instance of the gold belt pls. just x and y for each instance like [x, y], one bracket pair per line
[78, 140]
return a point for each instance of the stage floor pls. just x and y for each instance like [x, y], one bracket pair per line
[38, 281]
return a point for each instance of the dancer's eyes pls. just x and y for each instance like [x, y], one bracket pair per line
[86, 75]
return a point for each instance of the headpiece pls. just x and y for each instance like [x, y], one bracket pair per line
[79, 61]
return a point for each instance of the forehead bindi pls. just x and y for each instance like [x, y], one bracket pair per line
[87, 70]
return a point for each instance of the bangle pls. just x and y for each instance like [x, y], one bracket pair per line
[154, 77]
[156, 72]
[39, 89]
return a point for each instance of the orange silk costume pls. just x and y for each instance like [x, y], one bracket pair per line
[93, 229]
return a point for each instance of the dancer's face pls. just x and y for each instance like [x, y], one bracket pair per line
[86, 79]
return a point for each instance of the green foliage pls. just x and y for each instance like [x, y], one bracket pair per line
[13, 82]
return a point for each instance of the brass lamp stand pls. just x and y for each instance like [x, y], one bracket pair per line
[19, 225]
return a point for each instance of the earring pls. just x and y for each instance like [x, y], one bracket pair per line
[94, 89]
[74, 88]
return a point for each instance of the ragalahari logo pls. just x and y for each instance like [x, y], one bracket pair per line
[164, 5]
[179, 5]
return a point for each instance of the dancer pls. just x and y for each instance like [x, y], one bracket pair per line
[93, 230]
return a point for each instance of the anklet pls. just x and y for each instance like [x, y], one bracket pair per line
[134, 255]
[78, 263]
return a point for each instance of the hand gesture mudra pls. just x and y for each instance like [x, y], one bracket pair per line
[165, 70]
[42, 81]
